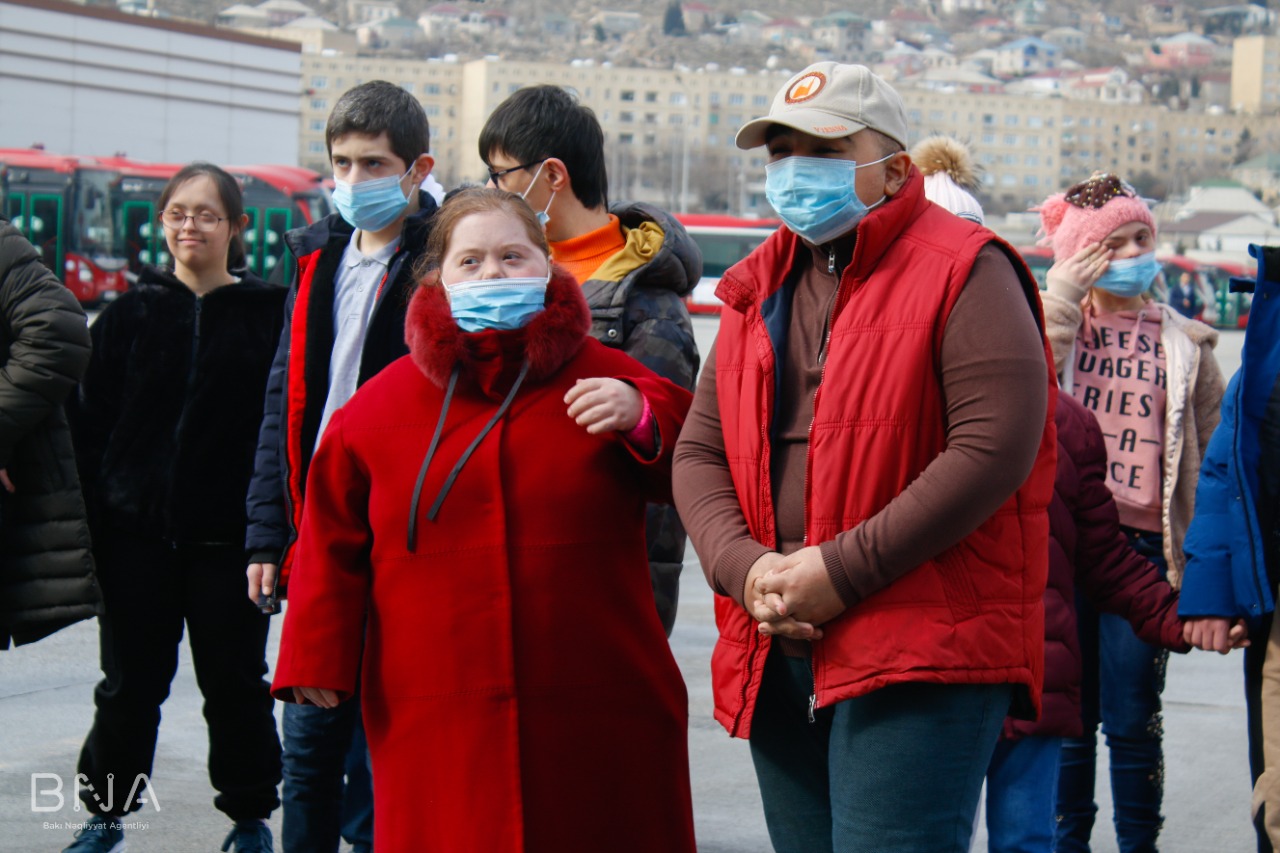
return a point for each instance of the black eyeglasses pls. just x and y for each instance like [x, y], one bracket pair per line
[1099, 189]
[204, 220]
[497, 176]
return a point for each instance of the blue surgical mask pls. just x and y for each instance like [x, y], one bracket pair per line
[1129, 277]
[496, 303]
[815, 196]
[543, 216]
[371, 205]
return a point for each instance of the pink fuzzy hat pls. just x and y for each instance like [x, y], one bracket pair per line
[1089, 211]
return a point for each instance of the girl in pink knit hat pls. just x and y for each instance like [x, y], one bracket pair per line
[1149, 376]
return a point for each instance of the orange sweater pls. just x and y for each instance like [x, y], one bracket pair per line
[583, 255]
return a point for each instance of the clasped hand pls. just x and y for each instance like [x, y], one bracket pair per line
[792, 595]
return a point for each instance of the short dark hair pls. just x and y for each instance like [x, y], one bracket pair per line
[538, 122]
[463, 203]
[228, 193]
[887, 144]
[376, 107]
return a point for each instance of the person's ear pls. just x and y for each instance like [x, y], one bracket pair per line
[557, 174]
[896, 169]
[423, 166]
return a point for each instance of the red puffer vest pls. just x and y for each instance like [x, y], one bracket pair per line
[972, 614]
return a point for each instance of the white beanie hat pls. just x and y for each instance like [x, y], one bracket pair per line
[941, 190]
[948, 168]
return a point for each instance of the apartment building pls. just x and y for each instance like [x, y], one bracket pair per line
[669, 134]
[1255, 74]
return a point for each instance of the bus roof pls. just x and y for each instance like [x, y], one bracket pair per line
[287, 179]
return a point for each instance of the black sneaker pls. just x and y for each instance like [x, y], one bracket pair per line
[249, 836]
[101, 835]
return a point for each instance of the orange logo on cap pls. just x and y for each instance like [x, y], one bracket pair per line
[806, 87]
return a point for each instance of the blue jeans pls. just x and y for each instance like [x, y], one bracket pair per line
[321, 746]
[1123, 679]
[898, 769]
[1022, 789]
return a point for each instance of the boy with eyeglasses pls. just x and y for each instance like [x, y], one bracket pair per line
[344, 323]
[636, 263]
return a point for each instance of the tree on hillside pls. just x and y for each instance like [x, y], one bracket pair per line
[673, 20]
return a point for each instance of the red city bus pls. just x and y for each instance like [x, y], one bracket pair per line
[276, 199]
[724, 240]
[63, 205]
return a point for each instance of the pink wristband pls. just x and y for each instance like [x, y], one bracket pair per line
[641, 435]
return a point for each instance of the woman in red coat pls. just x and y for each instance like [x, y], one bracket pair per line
[475, 527]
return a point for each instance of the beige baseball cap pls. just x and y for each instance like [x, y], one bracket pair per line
[832, 100]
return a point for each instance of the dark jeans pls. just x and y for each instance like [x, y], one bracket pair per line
[150, 590]
[321, 746]
[1121, 685]
[1022, 785]
[898, 769]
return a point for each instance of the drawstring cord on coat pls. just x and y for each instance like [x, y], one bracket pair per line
[462, 460]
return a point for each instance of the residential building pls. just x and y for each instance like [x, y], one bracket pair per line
[670, 134]
[1025, 56]
[1261, 175]
[1255, 74]
[368, 11]
[1185, 50]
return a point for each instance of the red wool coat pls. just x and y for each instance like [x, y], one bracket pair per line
[518, 690]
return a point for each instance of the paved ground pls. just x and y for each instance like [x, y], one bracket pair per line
[46, 708]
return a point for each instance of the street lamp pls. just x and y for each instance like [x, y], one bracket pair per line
[684, 145]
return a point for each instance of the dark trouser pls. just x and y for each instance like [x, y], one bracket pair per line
[150, 589]
[1121, 685]
[898, 769]
[321, 746]
[1255, 654]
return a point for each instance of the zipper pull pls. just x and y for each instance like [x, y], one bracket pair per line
[813, 700]
[831, 260]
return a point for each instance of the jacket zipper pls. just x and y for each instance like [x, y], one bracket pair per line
[186, 393]
[822, 375]
[1248, 521]
[755, 635]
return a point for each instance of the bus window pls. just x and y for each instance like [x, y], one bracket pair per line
[42, 229]
[721, 247]
[277, 221]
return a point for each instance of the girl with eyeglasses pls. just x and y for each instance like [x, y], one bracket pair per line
[166, 427]
[1149, 376]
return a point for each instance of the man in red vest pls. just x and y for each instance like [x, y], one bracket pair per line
[865, 475]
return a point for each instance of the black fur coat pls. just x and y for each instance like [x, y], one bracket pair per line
[166, 421]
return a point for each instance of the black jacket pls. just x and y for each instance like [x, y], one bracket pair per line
[642, 312]
[299, 384]
[46, 568]
[166, 422]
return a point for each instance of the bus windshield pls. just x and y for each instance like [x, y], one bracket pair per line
[94, 232]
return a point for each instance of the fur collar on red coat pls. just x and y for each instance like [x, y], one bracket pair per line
[492, 358]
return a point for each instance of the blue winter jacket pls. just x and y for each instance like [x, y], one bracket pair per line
[1226, 572]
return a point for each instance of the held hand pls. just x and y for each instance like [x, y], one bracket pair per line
[316, 696]
[770, 611]
[1214, 633]
[262, 579]
[5, 481]
[1239, 635]
[803, 587]
[603, 405]
[1083, 269]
